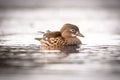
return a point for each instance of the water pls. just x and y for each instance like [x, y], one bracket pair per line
[21, 57]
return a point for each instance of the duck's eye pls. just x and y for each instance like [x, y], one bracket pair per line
[72, 30]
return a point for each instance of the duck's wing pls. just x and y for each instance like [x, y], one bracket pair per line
[48, 35]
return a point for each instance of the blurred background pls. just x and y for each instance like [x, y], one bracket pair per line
[28, 16]
[21, 57]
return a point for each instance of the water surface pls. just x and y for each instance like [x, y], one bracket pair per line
[97, 58]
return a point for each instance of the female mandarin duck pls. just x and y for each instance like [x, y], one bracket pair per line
[67, 36]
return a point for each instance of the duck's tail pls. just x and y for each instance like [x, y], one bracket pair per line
[38, 39]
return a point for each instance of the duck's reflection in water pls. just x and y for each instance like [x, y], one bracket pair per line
[58, 54]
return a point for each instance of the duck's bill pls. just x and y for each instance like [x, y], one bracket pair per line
[79, 34]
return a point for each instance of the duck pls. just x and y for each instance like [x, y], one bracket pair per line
[67, 36]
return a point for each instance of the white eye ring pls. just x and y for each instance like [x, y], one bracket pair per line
[72, 30]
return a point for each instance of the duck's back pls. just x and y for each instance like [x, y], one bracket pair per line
[52, 34]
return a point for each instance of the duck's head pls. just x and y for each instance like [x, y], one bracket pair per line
[70, 31]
